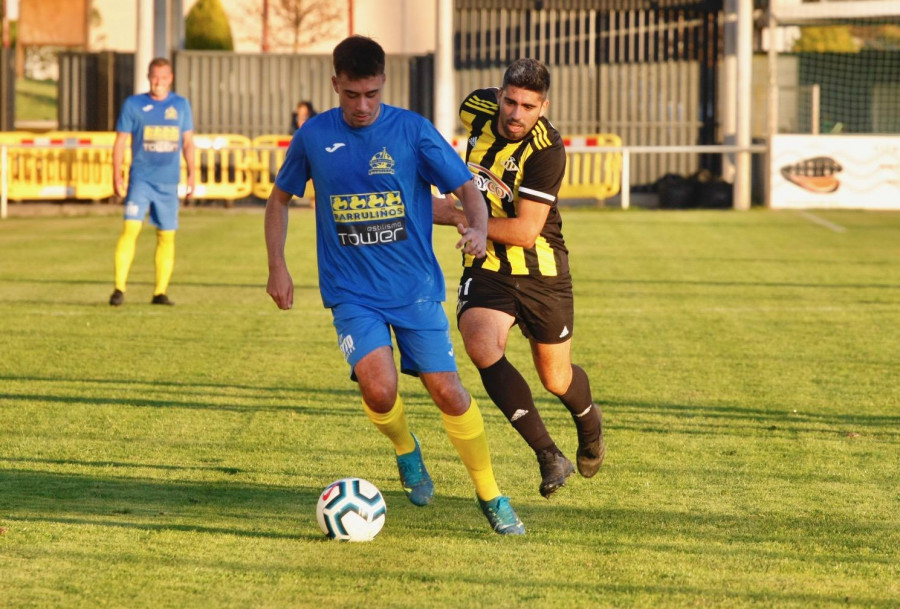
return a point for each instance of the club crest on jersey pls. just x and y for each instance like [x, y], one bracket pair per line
[171, 113]
[487, 181]
[510, 165]
[381, 163]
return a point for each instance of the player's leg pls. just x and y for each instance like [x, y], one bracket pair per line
[423, 336]
[466, 432]
[571, 385]
[124, 257]
[165, 263]
[547, 316]
[485, 333]
[365, 340]
[164, 215]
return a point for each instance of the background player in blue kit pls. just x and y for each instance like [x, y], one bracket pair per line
[518, 160]
[373, 166]
[161, 127]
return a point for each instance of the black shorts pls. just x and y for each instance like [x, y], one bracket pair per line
[543, 307]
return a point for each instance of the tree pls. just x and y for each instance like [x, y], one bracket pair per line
[294, 24]
[206, 27]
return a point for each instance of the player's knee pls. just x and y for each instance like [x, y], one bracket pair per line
[380, 398]
[557, 383]
[450, 397]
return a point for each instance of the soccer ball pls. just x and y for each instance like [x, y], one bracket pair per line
[351, 509]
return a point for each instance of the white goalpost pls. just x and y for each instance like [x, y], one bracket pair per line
[833, 104]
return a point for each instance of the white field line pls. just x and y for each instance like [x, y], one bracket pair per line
[823, 222]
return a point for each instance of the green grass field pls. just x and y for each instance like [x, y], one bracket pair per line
[748, 365]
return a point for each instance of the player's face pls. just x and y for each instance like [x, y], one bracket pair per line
[160, 81]
[520, 110]
[360, 99]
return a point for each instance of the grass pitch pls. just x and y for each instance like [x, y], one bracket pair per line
[747, 365]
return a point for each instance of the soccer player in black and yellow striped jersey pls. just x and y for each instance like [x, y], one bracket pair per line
[518, 160]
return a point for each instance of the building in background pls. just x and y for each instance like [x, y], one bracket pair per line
[400, 26]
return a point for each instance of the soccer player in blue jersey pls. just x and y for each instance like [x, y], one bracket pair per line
[518, 160]
[373, 166]
[161, 127]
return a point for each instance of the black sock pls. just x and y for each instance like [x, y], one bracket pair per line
[510, 392]
[578, 400]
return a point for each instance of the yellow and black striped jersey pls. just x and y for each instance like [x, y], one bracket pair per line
[505, 170]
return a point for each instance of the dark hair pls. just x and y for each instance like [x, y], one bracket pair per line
[309, 107]
[358, 57]
[528, 74]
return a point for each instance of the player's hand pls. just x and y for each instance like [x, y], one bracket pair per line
[281, 287]
[472, 241]
[119, 187]
[191, 185]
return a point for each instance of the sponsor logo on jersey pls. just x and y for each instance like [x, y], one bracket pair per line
[369, 218]
[147, 108]
[473, 141]
[161, 138]
[487, 181]
[334, 146]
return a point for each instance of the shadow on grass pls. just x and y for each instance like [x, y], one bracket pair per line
[108, 282]
[727, 419]
[235, 508]
[732, 284]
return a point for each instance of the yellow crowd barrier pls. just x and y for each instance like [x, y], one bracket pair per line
[78, 165]
[593, 166]
[225, 167]
[591, 173]
[270, 151]
[58, 165]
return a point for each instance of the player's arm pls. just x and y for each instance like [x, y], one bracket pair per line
[118, 161]
[473, 231]
[187, 149]
[280, 286]
[523, 230]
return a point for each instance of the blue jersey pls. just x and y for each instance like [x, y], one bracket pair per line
[373, 204]
[156, 128]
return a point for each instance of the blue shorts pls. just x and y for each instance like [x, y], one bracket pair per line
[421, 329]
[161, 199]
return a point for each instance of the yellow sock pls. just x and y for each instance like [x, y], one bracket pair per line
[393, 424]
[467, 435]
[125, 251]
[165, 259]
